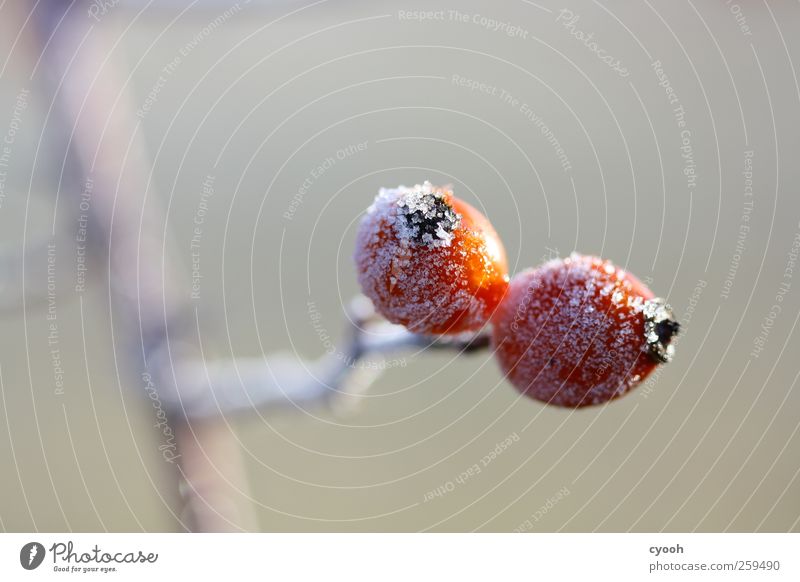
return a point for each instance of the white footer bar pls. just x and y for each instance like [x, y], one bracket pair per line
[389, 557]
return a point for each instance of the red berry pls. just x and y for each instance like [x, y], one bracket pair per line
[430, 261]
[580, 331]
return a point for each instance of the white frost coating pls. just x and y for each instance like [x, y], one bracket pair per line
[419, 207]
[575, 342]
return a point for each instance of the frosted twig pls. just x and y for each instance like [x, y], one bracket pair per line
[206, 389]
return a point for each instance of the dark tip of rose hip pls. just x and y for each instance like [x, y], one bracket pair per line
[666, 330]
[442, 219]
[429, 217]
[660, 327]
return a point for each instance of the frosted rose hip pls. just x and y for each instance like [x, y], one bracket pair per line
[580, 331]
[430, 261]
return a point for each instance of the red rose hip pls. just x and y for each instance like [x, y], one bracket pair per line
[580, 331]
[430, 261]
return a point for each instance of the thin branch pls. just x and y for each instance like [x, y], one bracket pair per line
[224, 387]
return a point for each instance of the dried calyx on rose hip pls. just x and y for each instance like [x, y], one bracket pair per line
[580, 331]
[430, 261]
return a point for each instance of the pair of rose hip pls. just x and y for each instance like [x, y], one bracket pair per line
[572, 332]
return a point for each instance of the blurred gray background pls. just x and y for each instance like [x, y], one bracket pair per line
[561, 150]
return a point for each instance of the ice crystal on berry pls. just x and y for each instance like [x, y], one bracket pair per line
[429, 219]
[660, 326]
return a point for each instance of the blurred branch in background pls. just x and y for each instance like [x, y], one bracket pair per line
[126, 225]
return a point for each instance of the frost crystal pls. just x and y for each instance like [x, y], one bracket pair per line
[429, 219]
[660, 326]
